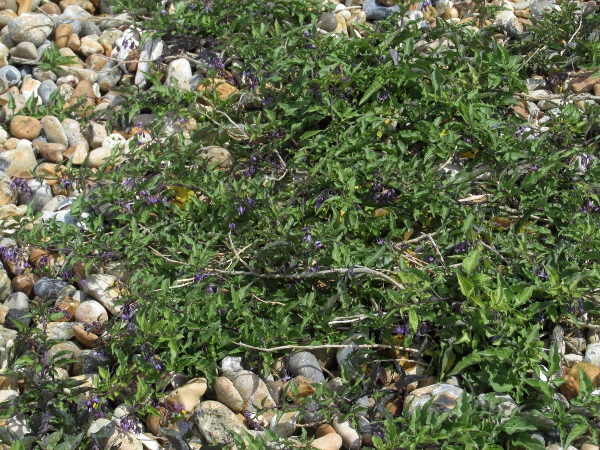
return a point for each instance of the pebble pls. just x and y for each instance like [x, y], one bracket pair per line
[17, 300]
[179, 73]
[34, 28]
[9, 76]
[350, 438]
[284, 425]
[40, 194]
[252, 389]
[374, 10]
[216, 422]
[227, 394]
[444, 397]
[6, 288]
[54, 131]
[188, 395]
[307, 365]
[327, 21]
[90, 311]
[47, 288]
[103, 288]
[24, 127]
[7, 194]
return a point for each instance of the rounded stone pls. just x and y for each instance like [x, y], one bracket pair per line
[24, 127]
[47, 288]
[46, 89]
[444, 398]
[62, 33]
[19, 162]
[90, 311]
[88, 362]
[228, 395]
[188, 395]
[17, 300]
[8, 195]
[327, 22]
[217, 423]
[24, 50]
[41, 193]
[59, 330]
[54, 130]
[24, 283]
[85, 338]
[252, 389]
[14, 316]
[9, 77]
[34, 28]
[307, 365]
[68, 305]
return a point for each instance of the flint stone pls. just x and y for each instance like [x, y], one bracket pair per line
[307, 365]
[14, 316]
[34, 28]
[17, 300]
[7, 194]
[444, 397]
[41, 193]
[103, 288]
[252, 389]
[376, 11]
[6, 288]
[47, 288]
[9, 77]
[179, 74]
[217, 423]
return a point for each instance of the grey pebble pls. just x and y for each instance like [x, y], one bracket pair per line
[47, 288]
[376, 11]
[307, 365]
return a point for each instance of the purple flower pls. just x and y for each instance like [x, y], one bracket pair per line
[534, 168]
[318, 245]
[381, 241]
[241, 208]
[211, 288]
[163, 12]
[198, 277]
[306, 33]
[232, 226]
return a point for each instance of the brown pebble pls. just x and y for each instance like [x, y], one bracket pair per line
[88, 340]
[24, 127]
[73, 42]
[24, 283]
[131, 61]
[69, 305]
[450, 13]
[62, 33]
[323, 430]
[50, 8]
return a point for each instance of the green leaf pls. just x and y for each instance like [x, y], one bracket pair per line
[413, 320]
[469, 360]
[577, 430]
[471, 262]
[375, 86]
[516, 424]
[525, 440]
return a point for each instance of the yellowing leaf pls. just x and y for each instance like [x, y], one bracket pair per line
[444, 133]
[182, 195]
[342, 212]
[470, 154]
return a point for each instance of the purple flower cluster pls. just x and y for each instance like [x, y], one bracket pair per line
[129, 423]
[383, 194]
[541, 273]
[217, 63]
[129, 44]
[21, 185]
[151, 199]
[589, 206]
[250, 80]
[95, 327]
[96, 405]
[198, 277]
[11, 256]
[462, 247]
[128, 314]
[251, 422]
[576, 308]
[251, 170]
